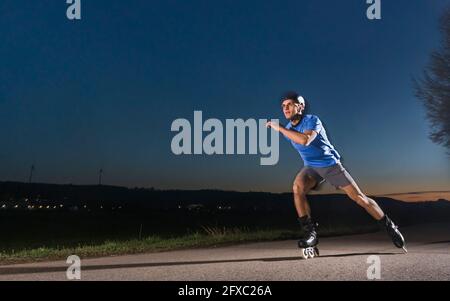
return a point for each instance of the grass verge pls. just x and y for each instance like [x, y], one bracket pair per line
[209, 237]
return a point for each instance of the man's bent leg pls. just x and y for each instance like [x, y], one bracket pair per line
[303, 183]
[306, 180]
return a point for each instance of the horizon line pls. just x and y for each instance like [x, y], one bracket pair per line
[215, 189]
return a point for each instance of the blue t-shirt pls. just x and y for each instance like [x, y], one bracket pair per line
[320, 153]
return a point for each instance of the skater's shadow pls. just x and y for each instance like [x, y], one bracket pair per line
[440, 242]
[12, 270]
[358, 254]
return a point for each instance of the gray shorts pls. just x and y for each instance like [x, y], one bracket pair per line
[336, 175]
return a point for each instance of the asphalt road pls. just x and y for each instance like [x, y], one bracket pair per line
[342, 258]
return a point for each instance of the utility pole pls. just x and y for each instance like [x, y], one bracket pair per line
[31, 173]
[100, 173]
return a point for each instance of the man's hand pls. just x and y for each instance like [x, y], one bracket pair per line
[273, 125]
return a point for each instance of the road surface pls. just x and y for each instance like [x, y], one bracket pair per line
[342, 258]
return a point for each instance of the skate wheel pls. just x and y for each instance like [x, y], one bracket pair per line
[311, 252]
[305, 253]
[316, 251]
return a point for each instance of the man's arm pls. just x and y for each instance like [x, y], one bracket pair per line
[299, 138]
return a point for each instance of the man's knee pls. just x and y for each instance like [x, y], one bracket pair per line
[299, 188]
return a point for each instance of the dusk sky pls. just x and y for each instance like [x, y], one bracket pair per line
[102, 92]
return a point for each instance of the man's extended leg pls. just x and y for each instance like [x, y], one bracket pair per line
[353, 191]
[375, 211]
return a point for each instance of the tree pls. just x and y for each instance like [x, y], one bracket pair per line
[433, 89]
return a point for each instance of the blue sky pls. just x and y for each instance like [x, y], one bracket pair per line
[102, 92]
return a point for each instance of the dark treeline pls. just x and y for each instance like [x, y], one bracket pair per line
[122, 213]
[328, 207]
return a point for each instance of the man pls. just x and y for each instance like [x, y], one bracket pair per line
[321, 162]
